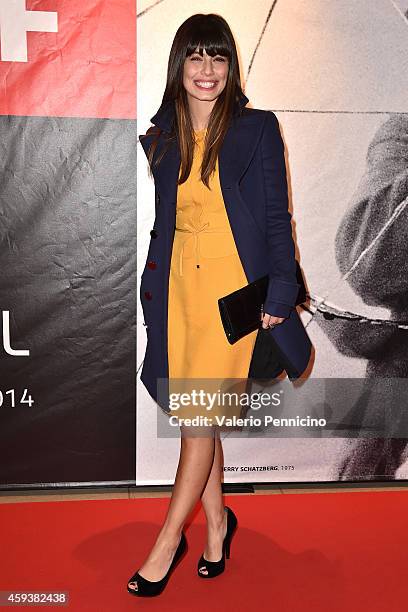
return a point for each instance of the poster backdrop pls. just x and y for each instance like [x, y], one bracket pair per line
[336, 75]
[67, 241]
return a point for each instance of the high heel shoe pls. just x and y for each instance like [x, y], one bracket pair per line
[149, 588]
[214, 568]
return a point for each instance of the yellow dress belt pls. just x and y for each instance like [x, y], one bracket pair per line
[195, 232]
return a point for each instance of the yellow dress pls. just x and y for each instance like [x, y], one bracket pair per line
[205, 265]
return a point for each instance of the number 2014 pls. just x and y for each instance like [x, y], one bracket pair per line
[9, 398]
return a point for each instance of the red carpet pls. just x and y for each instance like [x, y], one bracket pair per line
[296, 552]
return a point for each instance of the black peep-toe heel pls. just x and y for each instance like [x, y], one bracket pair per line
[214, 568]
[148, 588]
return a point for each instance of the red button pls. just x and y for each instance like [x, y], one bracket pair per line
[148, 295]
[152, 265]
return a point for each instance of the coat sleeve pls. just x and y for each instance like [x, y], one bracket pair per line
[282, 288]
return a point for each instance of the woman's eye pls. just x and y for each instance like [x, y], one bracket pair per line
[220, 59]
[195, 57]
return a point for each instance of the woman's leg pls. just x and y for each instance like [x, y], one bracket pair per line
[213, 505]
[196, 458]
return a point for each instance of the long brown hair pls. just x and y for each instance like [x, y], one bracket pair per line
[212, 33]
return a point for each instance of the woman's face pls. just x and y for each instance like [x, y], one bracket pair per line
[205, 77]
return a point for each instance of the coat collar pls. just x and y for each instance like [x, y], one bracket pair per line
[235, 155]
[163, 119]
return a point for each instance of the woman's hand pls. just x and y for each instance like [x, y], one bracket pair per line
[270, 321]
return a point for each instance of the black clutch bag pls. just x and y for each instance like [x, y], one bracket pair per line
[241, 310]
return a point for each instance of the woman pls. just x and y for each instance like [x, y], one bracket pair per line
[221, 221]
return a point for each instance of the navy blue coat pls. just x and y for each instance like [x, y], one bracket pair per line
[254, 186]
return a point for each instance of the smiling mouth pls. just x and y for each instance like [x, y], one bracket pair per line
[206, 84]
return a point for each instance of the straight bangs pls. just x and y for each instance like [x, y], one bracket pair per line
[213, 42]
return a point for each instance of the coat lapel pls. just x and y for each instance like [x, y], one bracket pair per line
[238, 148]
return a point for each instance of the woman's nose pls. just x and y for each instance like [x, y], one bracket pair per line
[208, 68]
